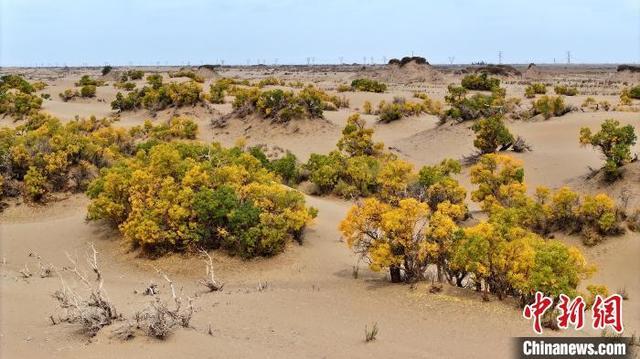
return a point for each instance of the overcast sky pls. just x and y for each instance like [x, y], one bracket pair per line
[122, 32]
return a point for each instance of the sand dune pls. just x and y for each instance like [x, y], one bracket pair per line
[312, 307]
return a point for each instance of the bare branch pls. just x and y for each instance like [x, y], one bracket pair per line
[210, 282]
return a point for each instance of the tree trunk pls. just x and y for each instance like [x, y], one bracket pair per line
[394, 271]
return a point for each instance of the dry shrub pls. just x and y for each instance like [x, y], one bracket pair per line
[94, 310]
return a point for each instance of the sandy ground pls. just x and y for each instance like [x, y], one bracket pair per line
[312, 306]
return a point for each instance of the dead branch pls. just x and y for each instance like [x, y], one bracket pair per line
[46, 270]
[210, 282]
[152, 289]
[520, 145]
[92, 313]
[25, 272]
[159, 320]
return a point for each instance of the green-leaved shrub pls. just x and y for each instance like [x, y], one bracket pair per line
[187, 196]
[480, 82]
[615, 143]
[368, 85]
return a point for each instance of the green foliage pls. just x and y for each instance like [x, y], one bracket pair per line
[127, 86]
[505, 259]
[368, 85]
[500, 180]
[430, 175]
[17, 82]
[188, 74]
[174, 198]
[270, 81]
[19, 104]
[502, 191]
[35, 185]
[550, 106]
[279, 105]
[87, 80]
[354, 169]
[466, 108]
[438, 186]
[634, 92]
[17, 98]
[480, 82]
[390, 112]
[535, 89]
[497, 255]
[128, 102]
[565, 90]
[135, 74]
[218, 90]
[178, 127]
[399, 108]
[615, 142]
[155, 81]
[88, 91]
[357, 140]
[44, 155]
[491, 133]
[159, 96]
[287, 168]
[106, 69]
[68, 95]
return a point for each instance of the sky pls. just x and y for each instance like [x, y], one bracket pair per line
[152, 32]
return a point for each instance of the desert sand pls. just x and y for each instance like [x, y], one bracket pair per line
[311, 306]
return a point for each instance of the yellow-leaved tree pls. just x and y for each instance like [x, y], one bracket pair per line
[500, 181]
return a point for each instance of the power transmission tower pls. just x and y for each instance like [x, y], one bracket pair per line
[568, 57]
[500, 57]
[451, 59]
[341, 58]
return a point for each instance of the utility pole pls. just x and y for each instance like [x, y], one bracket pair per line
[500, 57]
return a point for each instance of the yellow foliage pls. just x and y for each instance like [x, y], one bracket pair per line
[499, 178]
[394, 178]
